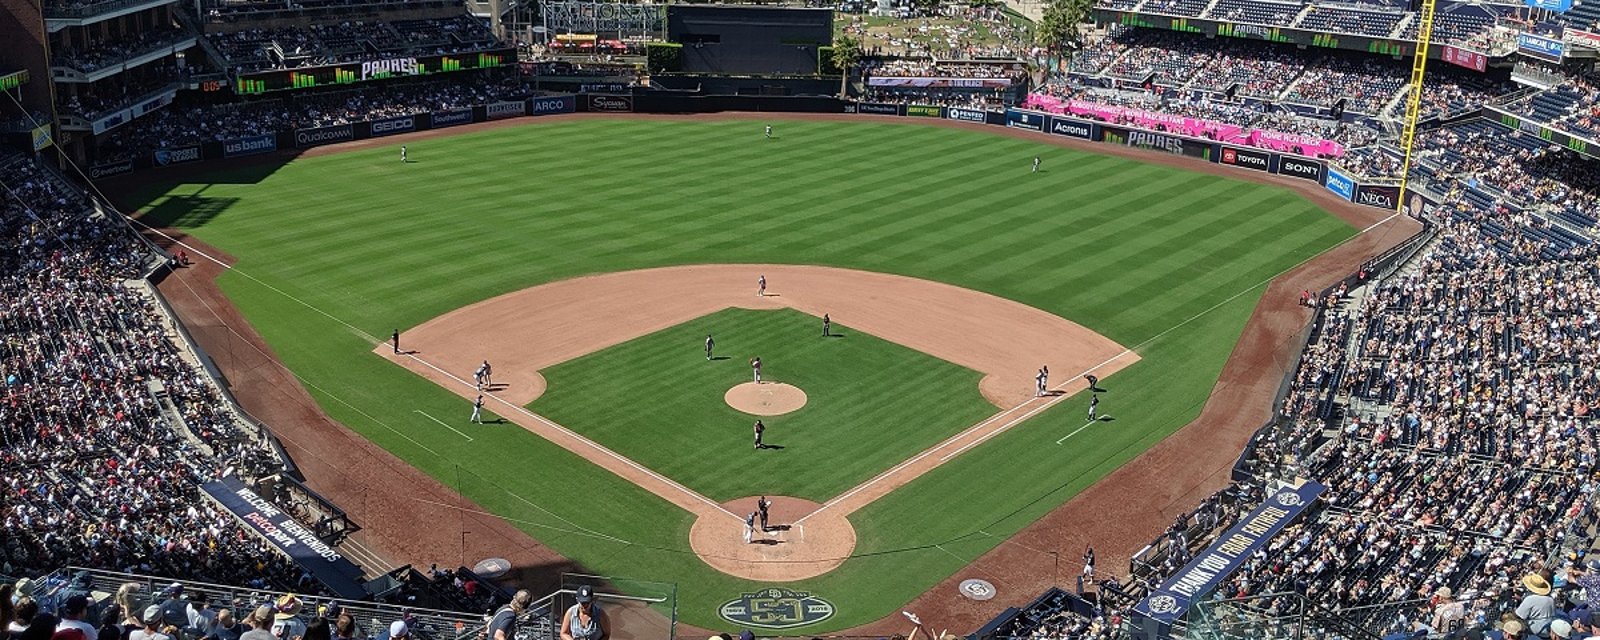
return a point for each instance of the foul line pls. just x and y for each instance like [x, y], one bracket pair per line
[442, 424]
[1074, 432]
[575, 436]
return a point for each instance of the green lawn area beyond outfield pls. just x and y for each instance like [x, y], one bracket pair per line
[870, 404]
[337, 250]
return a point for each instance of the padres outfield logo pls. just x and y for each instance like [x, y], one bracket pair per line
[776, 608]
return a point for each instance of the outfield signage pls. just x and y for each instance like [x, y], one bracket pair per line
[180, 155]
[258, 82]
[324, 135]
[551, 105]
[1548, 49]
[1340, 184]
[1380, 196]
[1419, 206]
[41, 137]
[776, 608]
[249, 146]
[1030, 120]
[1141, 139]
[1297, 167]
[450, 117]
[1245, 158]
[966, 115]
[110, 169]
[280, 530]
[1581, 38]
[391, 126]
[498, 110]
[878, 108]
[924, 111]
[1465, 58]
[610, 104]
[1210, 567]
[1071, 128]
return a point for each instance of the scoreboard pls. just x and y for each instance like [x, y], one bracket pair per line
[352, 72]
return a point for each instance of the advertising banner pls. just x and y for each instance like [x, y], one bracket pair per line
[110, 122]
[614, 104]
[1379, 196]
[250, 146]
[940, 83]
[878, 109]
[323, 135]
[451, 118]
[924, 111]
[1296, 167]
[1071, 128]
[154, 103]
[498, 110]
[1340, 184]
[1541, 48]
[180, 155]
[1030, 120]
[548, 105]
[330, 568]
[1211, 566]
[391, 126]
[1157, 142]
[1581, 38]
[1419, 206]
[41, 138]
[112, 169]
[966, 115]
[1464, 58]
[1186, 126]
[352, 72]
[1562, 6]
[1245, 158]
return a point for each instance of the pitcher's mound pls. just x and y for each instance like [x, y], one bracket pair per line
[765, 399]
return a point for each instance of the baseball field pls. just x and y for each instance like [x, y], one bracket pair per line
[609, 437]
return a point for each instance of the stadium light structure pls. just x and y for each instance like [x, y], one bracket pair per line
[1419, 67]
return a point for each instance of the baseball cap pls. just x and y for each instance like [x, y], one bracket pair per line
[585, 593]
[76, 604]
[152, 614]
[1560, 628]
[747, 635]
[398, 629]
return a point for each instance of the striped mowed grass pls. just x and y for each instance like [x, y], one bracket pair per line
[335, 251]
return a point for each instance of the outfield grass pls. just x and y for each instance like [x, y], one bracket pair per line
[870, 404]
[1130, 250]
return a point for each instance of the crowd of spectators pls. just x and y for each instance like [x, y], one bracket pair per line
[103, 97]
[937, 97]
[179, 126]
[955, 32]
[110, 52]
[256, 49]
[106, 429]
[929, 68]
[1365, 85]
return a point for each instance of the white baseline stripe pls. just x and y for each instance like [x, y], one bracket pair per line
[442, 424]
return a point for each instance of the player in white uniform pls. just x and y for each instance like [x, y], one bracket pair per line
[769, 132]
[402, 153]
[477, 410]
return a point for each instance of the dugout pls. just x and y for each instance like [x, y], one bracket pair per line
[749, 40]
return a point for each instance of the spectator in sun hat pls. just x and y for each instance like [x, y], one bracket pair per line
[285, 626]
[1538, 608]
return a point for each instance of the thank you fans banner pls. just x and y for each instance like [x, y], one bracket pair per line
[276, 527]
[1216, 563]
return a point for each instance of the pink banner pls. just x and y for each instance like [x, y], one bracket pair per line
[1192, 127]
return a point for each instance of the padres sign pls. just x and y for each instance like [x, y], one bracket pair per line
[776, 608]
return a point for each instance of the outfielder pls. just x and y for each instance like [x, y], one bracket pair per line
[402, 153]
[1035, 164]
[755, 368]
[477, 410]
[769, 132]
[709, 345]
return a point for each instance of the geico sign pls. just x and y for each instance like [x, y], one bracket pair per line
[396, 66]
[392, 126]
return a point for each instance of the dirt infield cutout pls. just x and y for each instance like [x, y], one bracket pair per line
[766, 398]
[525, 331]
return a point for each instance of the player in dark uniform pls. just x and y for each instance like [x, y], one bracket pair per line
[827, 325]
[709, 344]
[762, 506]
[396, 338]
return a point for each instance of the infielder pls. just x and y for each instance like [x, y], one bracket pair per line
[477, 410]
[402, 153]
[1035, 164]
[488, 373]
[1038, 383]
[761, 286]
[755, 368]
[760, 429]
[827, 326]
[1094, 403]
[396, 339]
[709, 345]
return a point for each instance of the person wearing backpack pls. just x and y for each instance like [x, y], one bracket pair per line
[503, 625]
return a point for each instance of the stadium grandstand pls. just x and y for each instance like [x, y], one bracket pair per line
[1431, 461]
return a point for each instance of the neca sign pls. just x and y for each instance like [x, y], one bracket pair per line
[396, 66]
[1375, 199]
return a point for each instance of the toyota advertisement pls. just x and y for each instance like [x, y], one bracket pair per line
[1245, 158]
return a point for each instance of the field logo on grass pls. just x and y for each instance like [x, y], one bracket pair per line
[776, 608]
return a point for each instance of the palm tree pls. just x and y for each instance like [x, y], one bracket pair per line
[846, 52]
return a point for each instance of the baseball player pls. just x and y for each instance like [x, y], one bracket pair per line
[1035, 164]
[1038, 383]
[1044, 374]
[769, 132]
[760, 429]
[402, 153]
[762, 505]
[395, 337]
[749, 526]
[709, 345]
[755, 368]
[477, 410]
[488, 373]
[761, 286]
[477, 378]
[827, 326]
[1094, 382]
[1088, 563]
[1094, 403]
